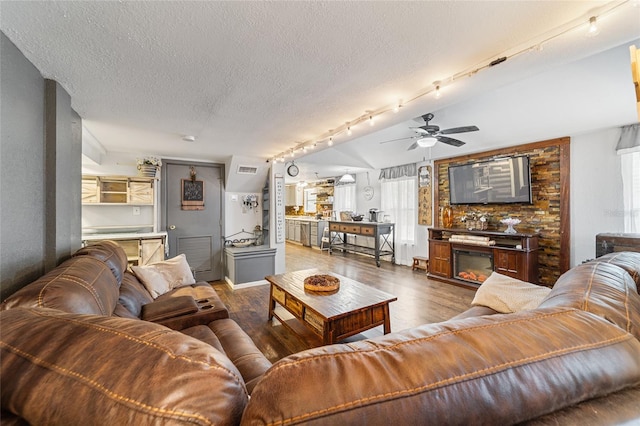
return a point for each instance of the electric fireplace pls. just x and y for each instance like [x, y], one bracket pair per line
[473, 266]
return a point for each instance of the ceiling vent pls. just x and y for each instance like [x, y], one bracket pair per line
[247, 170]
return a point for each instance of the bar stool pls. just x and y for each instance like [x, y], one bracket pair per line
[325, 239]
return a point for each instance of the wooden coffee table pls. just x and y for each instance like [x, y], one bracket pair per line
[352, 309]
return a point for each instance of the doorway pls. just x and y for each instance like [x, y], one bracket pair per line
[194, 221]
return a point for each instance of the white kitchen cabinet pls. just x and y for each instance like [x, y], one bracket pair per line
[141, 249]
[118, 204]
[294, 195]
[117, 190]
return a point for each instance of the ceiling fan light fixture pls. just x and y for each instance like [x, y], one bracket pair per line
[427, 142]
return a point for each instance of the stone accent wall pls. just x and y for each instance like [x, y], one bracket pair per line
[548, 215]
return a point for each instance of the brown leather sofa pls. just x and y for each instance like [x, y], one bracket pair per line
[573, 360]
[95, 281]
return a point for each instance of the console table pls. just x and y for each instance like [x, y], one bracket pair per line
[514, 255]
[382, 233]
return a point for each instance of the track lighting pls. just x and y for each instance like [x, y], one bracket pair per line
[437, 84]
[593, 27]
[539, 45]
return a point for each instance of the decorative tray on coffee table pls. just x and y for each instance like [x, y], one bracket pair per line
[321, 282]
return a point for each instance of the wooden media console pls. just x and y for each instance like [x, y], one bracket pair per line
[464, 257]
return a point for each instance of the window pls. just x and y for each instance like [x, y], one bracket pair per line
[629, 150]
[399, 200]
[631, 190]
[344, 198]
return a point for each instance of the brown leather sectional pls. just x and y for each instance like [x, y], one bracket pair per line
[95, 284]
[573, 360]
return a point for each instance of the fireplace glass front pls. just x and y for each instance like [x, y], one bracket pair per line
[472, 266]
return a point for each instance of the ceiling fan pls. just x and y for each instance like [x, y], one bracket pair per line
[429, 134]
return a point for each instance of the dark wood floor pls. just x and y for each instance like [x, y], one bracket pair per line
[420, 300]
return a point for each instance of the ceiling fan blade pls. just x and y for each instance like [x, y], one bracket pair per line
[396, 140]
[419, 130]
[450, 141]
[459, 130]
[413, 146]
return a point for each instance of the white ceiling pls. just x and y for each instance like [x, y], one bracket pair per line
[252, 79]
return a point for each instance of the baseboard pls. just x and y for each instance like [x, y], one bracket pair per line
[233, 286]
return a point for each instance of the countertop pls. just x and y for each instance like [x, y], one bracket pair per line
[305, 218]
[123, 235]
[249, 249]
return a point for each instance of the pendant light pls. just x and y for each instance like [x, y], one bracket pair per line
[346, 178]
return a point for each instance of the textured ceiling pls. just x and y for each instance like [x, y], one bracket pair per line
[253, 78]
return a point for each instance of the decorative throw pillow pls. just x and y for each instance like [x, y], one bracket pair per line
[507, 295]
[158, 278]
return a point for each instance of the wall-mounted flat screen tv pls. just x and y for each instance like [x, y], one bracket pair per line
[497, 181]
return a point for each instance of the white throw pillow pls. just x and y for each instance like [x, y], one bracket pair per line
[161, 277]
[507, 295]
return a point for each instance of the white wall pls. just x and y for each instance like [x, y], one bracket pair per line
[238, 217]
[596, 191]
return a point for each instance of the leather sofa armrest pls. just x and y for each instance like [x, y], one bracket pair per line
[169, 308]
[208, 311]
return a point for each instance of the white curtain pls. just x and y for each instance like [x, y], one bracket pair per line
[629, 150]
[631, 190]
[344, 199]
[399, 200]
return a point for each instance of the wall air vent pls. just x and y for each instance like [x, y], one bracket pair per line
[247, 170]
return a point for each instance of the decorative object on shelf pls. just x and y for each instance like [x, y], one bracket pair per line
[475, 220]
[259, 236]
[148, 166]
[192, 173]
[248, 239]
[447, 217]
[424, 195]
[510, 222]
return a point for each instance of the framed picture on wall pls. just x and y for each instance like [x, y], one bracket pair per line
[192, 194]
